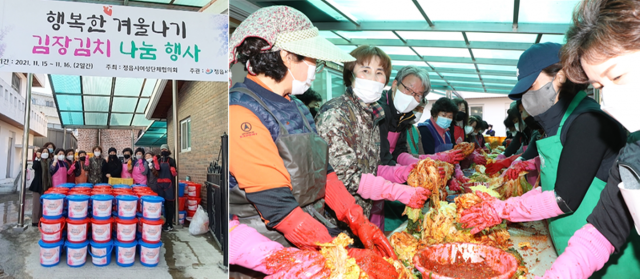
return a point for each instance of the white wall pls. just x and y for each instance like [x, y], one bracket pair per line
[494, 110]
[12, 156]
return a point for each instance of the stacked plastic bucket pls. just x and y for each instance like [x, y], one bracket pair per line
[100, 219]
[193, 198]
[182, 202]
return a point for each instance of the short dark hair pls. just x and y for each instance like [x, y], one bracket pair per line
[513, 113]
[128, 149]
[600, 30]
[268, 63]
[508, 123]
[96, 147]
[485, 125]
[476, 119]
[82, 152]
[309, 96]
[139, 149]
[568, 89]
[69, 150]
[459, 101]
[59, 150]
[363, 55]
[443, 104]
[49, 143]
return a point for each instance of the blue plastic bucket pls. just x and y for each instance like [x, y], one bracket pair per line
[77, 207]
[121, 186]
[50, 253]
[84, 185]
[152, 207]
[150, 253]
[181, 187]
[182, 215]
[126, 206]
[101, 206]
[76, 253]
[66, 185]
[101, 253]
[52, 206]
[125, 253]
[102, 184]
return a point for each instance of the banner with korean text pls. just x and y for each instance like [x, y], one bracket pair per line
[71, 38]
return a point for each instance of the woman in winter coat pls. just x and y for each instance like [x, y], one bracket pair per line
[152, 167]
[58, 168]
[139, 168]
[113, 167]
[40, 183]
[95, 167]
[166, 177]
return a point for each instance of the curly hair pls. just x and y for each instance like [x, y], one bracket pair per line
[601, 29]
[443, 104]
[268, 63]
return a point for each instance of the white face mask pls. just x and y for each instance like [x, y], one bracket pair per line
[61, 157]
[70, 157]
[150, 160]
[138, 157]
[468, 130]
[44, 155]
[418, 116]
[97, 153]
[621, 103]
[299, 87]
[368, 91]
[404, 103]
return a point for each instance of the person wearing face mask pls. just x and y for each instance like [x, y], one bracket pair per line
[41, 182]
[127, 164]
[275, 151]
[96, 166]
[166, 176]
[80, 175]
[312, 100]
[140, 168]
[413, 135]
[113, 166]
[580, 146]
[151, 162]
[69, 156]
[58, 168]
[434, 131]
[373, 181]
[607, 245]
[461, 128]
[511, 131]
[522, 134]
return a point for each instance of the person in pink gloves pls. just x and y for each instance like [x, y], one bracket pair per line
[579, 149]
[140, 168]
[250, 249]
[600, 51]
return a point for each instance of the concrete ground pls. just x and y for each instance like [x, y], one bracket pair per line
[185, 255]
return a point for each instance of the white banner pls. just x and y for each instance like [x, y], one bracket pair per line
[70, 38]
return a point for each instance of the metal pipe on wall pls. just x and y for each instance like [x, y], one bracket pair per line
[64, 138]
[25, 150]
[174, 107]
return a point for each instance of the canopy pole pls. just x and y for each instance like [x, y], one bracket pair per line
[64, 138]
[25, 149]
[174, 107]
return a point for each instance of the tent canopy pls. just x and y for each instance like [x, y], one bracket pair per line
[155, 135]
[466, 45]
[101, 102]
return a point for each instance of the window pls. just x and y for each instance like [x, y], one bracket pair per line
[15, 82]
[475, 110]
[185, 135]
[33, 101]
[49, 103]
[11, 98]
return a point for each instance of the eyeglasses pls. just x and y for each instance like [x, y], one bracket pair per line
[413, 93]
[320, 64]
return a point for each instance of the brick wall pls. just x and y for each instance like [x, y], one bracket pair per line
[120, 139]
[207, 105]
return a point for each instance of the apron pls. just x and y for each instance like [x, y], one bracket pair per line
[441, 144]
[71, 177]
[60, 177]
[563, 227]
[165, 182]
[305, 156]
[137, 171]
[82, 178]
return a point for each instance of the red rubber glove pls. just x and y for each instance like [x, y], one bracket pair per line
[373, 264]
[482, 215]
[453, 156]
[72, 168]
[173, 171]
[514, 171]
[155, 163]
[454, 185]
[478, 158]
[302, 230]
[498, 165]
[459, 175]
[344, 205]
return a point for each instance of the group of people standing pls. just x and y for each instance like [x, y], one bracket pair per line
[53, 167]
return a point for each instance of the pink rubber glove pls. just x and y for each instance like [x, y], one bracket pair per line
[533, 206]
[72, 168]
[519, 166]
[378, 188]
[449, 156]
[395, 174]
[454, 185]
[459, 175]
[86, 161]
[248, 248]
[501, 156]
[407, 159]
[587, 253]
[477, 158]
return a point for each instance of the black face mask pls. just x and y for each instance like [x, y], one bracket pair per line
[127, 156]
[82, 158]
[165, 153]
[460, 116]
[113, 156]
[532, 123]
